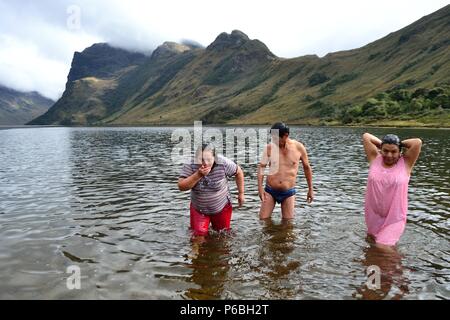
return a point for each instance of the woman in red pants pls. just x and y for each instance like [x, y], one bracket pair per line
[210, 194]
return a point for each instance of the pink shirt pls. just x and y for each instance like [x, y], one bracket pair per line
[386, 201]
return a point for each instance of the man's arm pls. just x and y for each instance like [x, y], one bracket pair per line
[371, 146]
[260, 174]
[308, 172]
[412, 148]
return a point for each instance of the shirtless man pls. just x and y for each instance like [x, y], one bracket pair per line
[283, 156]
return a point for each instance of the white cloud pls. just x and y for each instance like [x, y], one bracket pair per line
[24, 68]
[36, 44]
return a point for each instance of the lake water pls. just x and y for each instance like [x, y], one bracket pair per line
[106, 200]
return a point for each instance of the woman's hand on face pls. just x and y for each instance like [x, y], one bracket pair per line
[204, 170]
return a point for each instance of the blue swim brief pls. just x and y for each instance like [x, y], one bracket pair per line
[278, 195]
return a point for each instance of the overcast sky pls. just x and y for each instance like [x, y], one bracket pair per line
[38, 38]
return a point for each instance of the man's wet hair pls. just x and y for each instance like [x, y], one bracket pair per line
[281, 127]
[392, 139]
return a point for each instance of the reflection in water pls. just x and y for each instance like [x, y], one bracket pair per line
[210, 265]
[274, 256]
[393, 284]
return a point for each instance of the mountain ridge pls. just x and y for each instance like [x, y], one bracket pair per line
[17, 107]
[237, 80]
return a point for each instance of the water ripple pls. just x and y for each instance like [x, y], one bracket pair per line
[106, 199]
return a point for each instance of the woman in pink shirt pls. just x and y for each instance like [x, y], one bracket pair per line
[386, 200]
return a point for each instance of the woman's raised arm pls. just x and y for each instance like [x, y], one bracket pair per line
[371, 146]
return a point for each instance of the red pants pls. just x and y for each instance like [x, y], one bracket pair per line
[200, 222]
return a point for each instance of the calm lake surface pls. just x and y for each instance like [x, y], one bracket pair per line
[106, 200]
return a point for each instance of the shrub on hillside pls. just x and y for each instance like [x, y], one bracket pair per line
[317, 78]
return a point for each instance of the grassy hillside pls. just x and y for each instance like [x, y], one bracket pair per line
[401, 79]
[20, 107]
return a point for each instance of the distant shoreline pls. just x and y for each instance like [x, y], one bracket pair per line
[386, 126]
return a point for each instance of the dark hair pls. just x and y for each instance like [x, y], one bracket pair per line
[392, 139]
[281, 127]
[206, 147]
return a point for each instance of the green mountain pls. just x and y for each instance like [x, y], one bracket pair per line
[92, 85]
[401, 79]
[18, 108]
